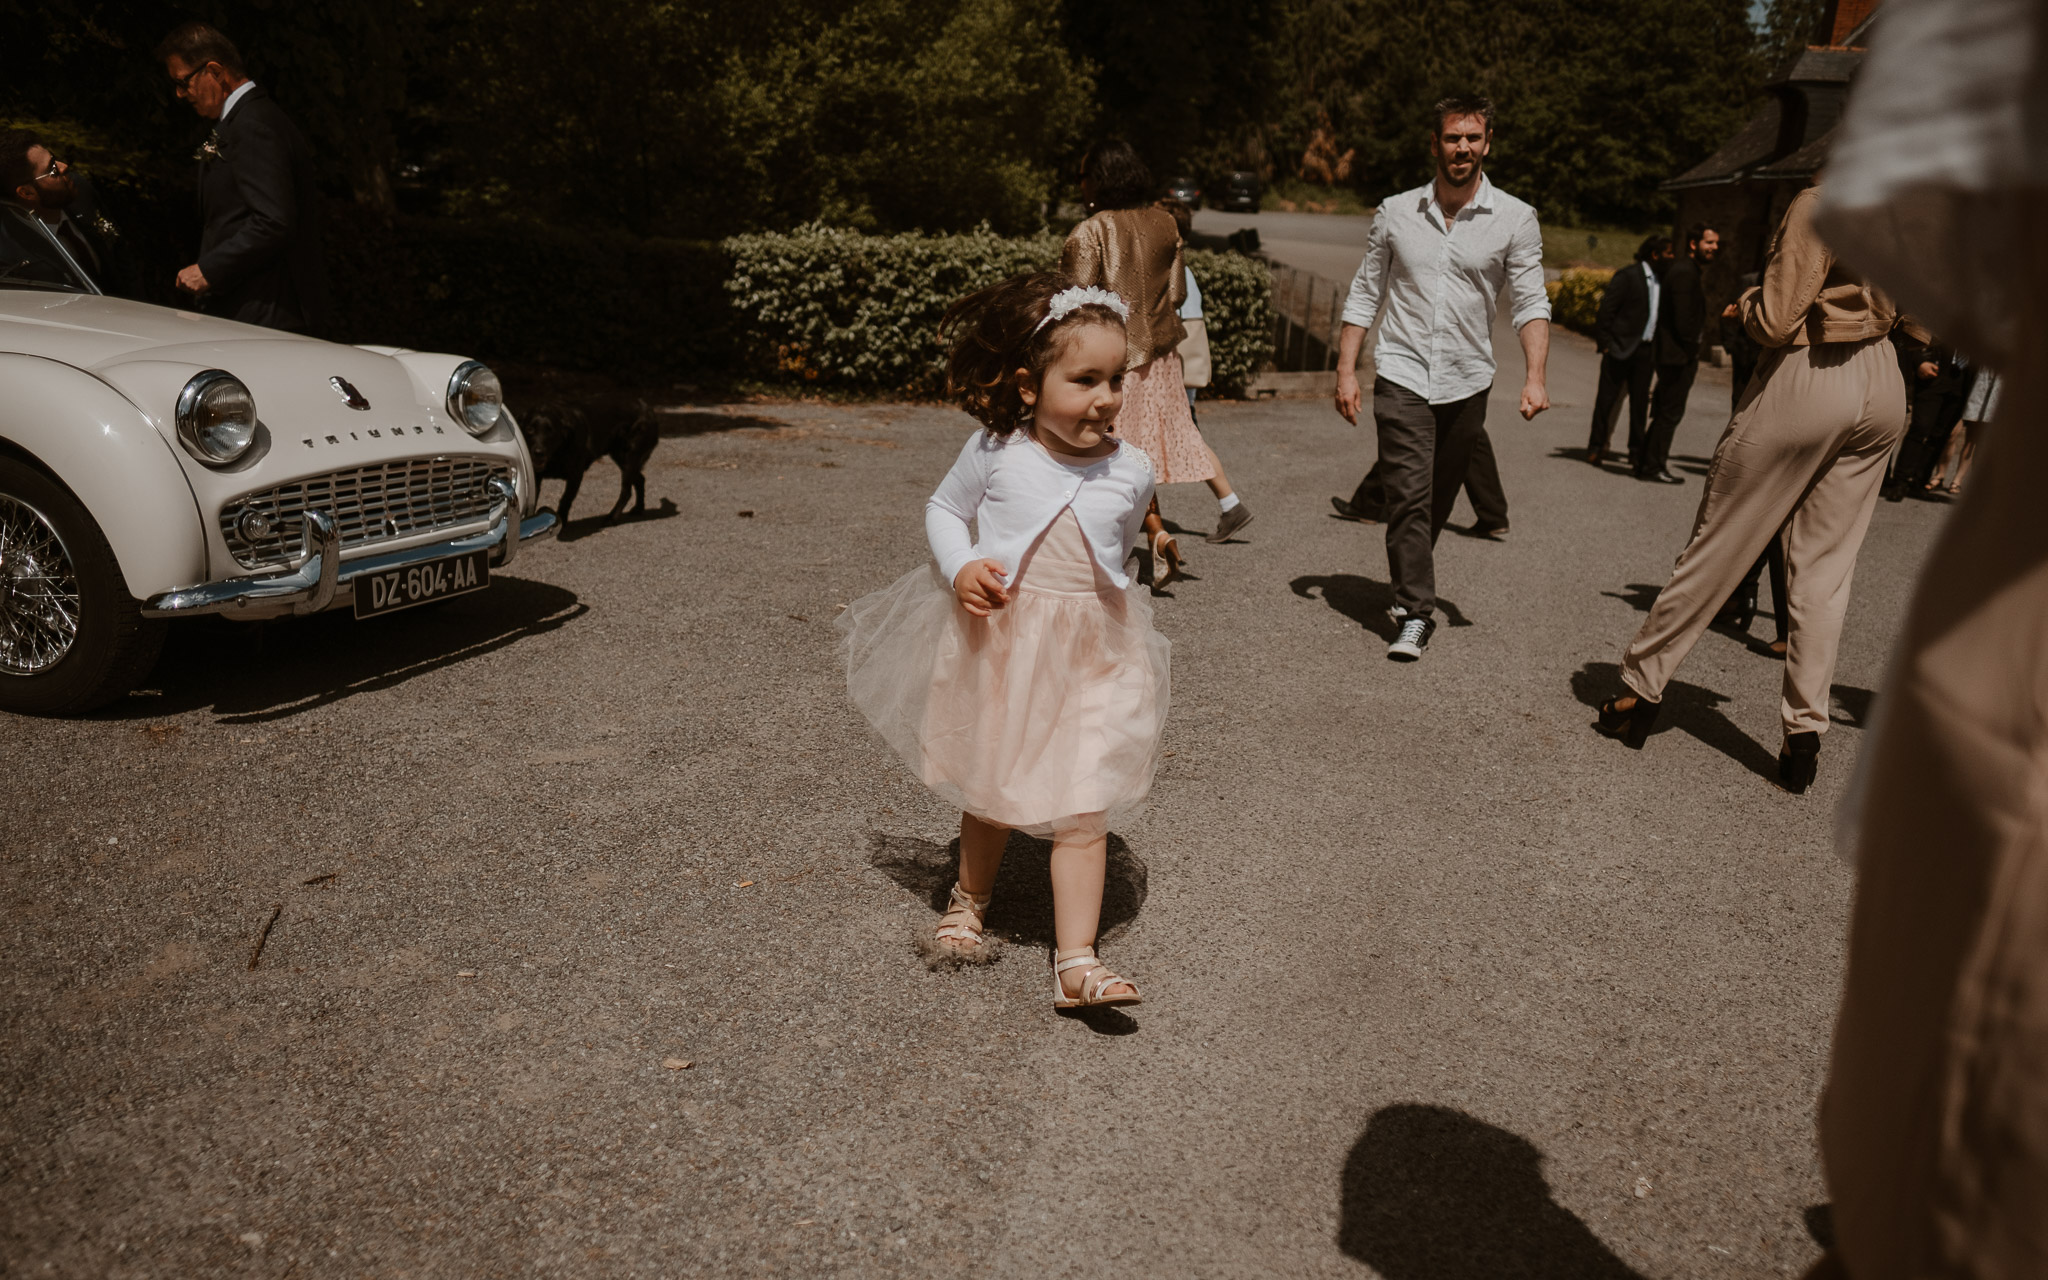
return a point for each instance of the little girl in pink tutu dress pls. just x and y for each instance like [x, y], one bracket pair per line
[1019, 676]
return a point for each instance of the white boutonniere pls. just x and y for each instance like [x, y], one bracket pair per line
[209, 150]
[101, 224]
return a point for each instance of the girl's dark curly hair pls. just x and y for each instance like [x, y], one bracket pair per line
[1117, 178]
[994, 332]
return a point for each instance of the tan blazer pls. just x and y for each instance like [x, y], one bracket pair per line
[1135, 254]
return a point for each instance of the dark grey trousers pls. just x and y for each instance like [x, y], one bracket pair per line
[1425, 452]
[1482, 488]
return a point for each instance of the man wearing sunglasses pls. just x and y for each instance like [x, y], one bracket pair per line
[259, 247]
[50, 215]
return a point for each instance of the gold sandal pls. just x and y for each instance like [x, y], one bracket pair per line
[959, 931]
[1166, 559]
[1095, 979]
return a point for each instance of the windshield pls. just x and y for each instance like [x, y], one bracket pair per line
[32, 258]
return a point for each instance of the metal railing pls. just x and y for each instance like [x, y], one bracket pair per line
[1308, 313]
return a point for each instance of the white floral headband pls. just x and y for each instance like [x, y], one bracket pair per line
[1067, 301]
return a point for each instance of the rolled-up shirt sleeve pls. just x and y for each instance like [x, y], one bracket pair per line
[953, 504]
[1369, 286]
[1525, 273]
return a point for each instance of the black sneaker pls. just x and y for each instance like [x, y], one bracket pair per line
[1412, 639]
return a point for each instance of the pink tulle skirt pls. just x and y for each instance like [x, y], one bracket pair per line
[1156, 418]
[1045, 716]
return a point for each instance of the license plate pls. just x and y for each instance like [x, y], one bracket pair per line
[396, 589]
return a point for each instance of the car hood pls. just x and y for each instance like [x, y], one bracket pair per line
[288, 374]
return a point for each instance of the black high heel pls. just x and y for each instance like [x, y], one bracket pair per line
[1798, 762]
[1631, 726]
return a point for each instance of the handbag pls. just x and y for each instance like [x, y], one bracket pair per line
[1194, 353]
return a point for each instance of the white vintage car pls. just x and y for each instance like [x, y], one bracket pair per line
[158, 464]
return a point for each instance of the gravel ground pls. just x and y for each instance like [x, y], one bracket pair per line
[1440, 984]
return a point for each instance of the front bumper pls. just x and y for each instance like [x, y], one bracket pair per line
[323, 580]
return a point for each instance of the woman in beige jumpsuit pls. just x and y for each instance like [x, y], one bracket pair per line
[1934, 1127]
[1805, 454]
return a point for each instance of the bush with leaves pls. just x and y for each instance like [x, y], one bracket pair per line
[1575, 296]
[833, 307]
[1237, 306]
[502, 290]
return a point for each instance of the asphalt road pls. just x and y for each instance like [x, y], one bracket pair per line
[1326, 244]
[1440, 984]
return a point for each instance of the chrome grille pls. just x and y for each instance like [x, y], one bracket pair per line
[371, 504]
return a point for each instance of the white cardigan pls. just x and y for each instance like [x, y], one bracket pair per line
[1014, 488]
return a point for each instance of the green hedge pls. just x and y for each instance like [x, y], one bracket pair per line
[1237, 303]
[834, 307]
[516, 291]
[1575, 296]
[831, 306]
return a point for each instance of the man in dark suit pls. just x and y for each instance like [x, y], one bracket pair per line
[1623, 332]
[51, 216]
[1937, 384]
[259, 248]
[1680, 321]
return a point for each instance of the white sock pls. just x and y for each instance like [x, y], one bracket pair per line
[1227, 502]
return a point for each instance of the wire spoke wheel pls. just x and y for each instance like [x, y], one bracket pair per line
[39, 606]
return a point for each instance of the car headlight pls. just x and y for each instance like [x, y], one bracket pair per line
[474, 397]
[216, 417]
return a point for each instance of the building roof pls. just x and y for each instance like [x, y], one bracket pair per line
[1755, 144]
[1788, 136]
[1801, 164]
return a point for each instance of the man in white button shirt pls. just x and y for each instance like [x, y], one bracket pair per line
[1436, 262]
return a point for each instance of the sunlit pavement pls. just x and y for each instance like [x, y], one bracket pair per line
[1439, 983]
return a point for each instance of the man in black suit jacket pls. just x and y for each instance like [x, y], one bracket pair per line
[259, 249]
[50, 216]
[1680, 322]
[1628, 310]
[1937, 384]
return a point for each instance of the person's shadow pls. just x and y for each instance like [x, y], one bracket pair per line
[1366, 601]
[1430, 1193]
[1021, 908]
[1686, 706]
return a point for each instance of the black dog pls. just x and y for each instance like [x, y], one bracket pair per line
[567, 436]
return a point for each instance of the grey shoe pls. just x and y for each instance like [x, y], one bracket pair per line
[1230, 522]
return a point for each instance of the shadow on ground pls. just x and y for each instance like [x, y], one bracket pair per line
[1686, 706]
[251, 672]
[1430, 1193]
[1021, 910]
[692, 422]
[1366, 601]
[577, 530]
[1852, 706]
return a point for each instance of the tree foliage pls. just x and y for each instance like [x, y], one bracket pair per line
[1599, 100]
[724, 116]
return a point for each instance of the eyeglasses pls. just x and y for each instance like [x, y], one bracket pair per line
[56, 167]
[183, 84]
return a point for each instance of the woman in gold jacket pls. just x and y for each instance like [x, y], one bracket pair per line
[1805, 454]
[1132, 248]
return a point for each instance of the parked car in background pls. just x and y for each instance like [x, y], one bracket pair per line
[1241, 191]
[1186, 190]
[158, 464]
